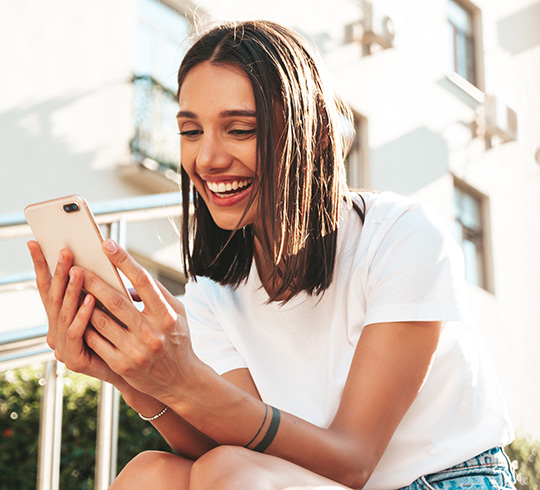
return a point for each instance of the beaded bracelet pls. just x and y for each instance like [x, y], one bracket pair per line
[150, 419]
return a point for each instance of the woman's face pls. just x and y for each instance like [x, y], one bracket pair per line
[218, 143]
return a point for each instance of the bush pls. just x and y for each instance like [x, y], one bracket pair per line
[525, 455]
[20, 394]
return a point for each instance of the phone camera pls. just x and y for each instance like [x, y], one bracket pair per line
[71, 207]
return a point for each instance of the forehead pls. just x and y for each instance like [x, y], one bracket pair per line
[216, 86]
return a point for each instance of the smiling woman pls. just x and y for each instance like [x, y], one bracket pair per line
[273, 100]
[217, 123]
[323, 340]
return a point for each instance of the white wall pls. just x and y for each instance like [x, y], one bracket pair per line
[65, 125]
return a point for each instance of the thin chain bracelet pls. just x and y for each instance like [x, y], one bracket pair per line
[150, 419]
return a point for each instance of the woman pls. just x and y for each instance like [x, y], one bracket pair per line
[322, 341]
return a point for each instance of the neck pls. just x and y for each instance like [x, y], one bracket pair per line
[267, 274]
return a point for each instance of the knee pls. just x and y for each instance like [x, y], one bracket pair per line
[224, 467]
[148, 467]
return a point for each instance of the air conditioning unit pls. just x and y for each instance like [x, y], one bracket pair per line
[375, 27]
[499, 120]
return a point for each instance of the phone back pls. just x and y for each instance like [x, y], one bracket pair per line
[67, 222]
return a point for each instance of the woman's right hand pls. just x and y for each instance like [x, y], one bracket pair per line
[68, 313]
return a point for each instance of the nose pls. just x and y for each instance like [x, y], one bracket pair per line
[212, 155]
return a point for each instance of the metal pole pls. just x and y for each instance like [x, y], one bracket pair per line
[108, 407]
[107, 436]
[50, 427]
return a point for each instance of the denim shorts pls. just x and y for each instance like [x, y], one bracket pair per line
[490, 470]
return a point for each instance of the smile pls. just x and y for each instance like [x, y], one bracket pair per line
[229, 188]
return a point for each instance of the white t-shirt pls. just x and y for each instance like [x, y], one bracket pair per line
[401, 265]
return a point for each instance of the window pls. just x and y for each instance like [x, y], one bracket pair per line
[462, 41]
[160, 44]
[355, 162]
[470, 232]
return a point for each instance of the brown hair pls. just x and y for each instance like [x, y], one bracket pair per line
[302, 174]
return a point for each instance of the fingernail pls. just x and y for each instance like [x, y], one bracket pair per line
[110, 246]
[87, 300]
[61, 257]
[71, 275]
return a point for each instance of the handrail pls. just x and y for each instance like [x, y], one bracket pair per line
[106, 213]
[14, 225]
[25, 346]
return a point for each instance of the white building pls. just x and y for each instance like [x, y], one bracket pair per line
[447, 101]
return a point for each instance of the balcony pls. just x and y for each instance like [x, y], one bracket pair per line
[156, 144]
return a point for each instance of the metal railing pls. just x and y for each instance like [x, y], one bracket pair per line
[26, 346]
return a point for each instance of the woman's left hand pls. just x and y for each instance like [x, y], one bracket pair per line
[152, 351]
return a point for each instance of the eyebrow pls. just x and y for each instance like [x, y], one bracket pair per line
[223, 114]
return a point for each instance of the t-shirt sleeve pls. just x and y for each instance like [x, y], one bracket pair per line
[210, 342]
[415, 270]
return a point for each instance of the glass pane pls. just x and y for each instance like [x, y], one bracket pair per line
[470, 212]
[450, 48]
[471, 262]
[458, 16]
[464, 57]
[461, 55]
[458, 232]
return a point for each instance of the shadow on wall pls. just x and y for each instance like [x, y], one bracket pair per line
[36, 153]
[520, 31]
[410, 162]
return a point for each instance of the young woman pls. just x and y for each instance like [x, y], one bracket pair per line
[323, 340]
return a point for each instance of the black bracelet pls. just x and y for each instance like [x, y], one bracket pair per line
[270, 433]
[260, 428]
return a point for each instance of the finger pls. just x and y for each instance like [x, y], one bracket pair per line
[138, 276]
[75, 332]
[176, 304]
[107, 327]
[100, 345]
[59, 282]
[43, 274]
[72, 298]
[116, 303]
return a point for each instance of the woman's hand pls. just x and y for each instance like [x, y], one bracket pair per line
[150, 349]
[68, 313]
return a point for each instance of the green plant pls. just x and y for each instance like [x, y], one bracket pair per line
[525, 455]
[20, 393]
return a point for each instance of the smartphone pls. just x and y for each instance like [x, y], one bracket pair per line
[67, 222]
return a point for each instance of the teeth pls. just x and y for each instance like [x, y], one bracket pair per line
[229, 186]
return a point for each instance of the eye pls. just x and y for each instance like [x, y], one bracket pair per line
[243, 132]
[191, 133]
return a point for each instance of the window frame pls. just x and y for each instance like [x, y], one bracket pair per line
[475, 40]
[356, 162]
[480, 236]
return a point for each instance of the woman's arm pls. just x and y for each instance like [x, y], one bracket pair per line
[185, 439]
[154, 355]
[68, 321]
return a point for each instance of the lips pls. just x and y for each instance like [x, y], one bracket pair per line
[229, 188]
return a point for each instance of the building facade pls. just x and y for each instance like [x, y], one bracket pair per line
[447, 110]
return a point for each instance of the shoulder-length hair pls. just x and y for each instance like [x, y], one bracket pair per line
[301, 171]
